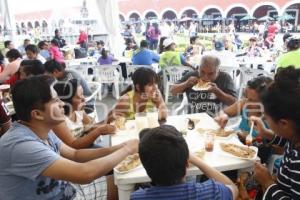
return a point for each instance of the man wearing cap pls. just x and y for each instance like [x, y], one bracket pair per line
[170, 57]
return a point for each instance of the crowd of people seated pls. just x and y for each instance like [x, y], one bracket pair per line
[49, 148]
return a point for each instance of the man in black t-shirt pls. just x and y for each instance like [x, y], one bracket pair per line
[59, 39]
[221, 90]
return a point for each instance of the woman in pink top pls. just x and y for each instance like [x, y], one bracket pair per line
[55, 53]
[14, 57]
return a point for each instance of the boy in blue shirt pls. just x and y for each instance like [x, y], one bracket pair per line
[165, 156]
[144, 56]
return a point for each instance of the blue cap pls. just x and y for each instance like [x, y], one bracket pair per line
[219, 46]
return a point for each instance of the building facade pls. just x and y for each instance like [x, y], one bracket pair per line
[171, 9]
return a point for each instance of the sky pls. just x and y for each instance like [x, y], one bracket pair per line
[24, 6]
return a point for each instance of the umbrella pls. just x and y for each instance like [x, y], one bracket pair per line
[266, 18]
[231, 18]
[185, 19]
[247, 17]
[218, 18]
[286, 17]
[206, 19]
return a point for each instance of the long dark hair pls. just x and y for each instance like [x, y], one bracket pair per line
[281, 101]
[104, 53]
[66, 91]
[259, 84]
[142, 77]
[161, 45]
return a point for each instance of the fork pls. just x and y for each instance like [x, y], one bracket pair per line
[249, 137]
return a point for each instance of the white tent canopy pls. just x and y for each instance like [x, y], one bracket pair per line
[109, 11]
[8, 17]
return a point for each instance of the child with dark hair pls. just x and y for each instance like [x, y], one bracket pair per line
[165, 156]
[44, 49]
[14, 58]
[55, 52]
[248, 106]
[282, 113]
[27, 68]
[78, 130]
[105, 58]
[141, 97]
[32, 53]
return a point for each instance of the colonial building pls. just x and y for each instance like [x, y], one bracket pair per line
[170, 9]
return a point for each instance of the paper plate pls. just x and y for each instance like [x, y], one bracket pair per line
[127, 161]
[4, 87]
[195, 88]
[224, 153]
[128, 171]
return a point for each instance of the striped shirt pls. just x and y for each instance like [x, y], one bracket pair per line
[288, 176]
[192, 191]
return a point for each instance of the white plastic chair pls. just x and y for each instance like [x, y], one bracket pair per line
[247, 74]
[172, 74]
[83, 70]
[110, 74]
[95, 87]
[182, 106]
[131, 69]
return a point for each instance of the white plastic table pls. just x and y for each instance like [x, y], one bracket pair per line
[126, 182]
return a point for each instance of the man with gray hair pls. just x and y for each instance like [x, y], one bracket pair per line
[207, 88]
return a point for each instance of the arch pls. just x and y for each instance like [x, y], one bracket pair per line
[36, 24]
[133, 12]
[134, 16]
[189, 13]
[266, 3]
[211, 7]
[23, 24]
[264, 10]
[294, 10]
[121, 17]
[29, 25]
[170, 10]
[187, 8]
[149, 13]
[288, 4]
[236, 5]
[44, 24]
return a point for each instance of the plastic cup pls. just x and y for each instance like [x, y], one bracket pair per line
[152, 119]
[209, 141]
[141, 121]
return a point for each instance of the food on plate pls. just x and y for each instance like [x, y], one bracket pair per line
[202, 85]
[219, 132]
[120, 122]
[238, 150]
[129, 163]
[223, 133]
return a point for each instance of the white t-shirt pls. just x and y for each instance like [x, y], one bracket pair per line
[77, 127]
[39, 57]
